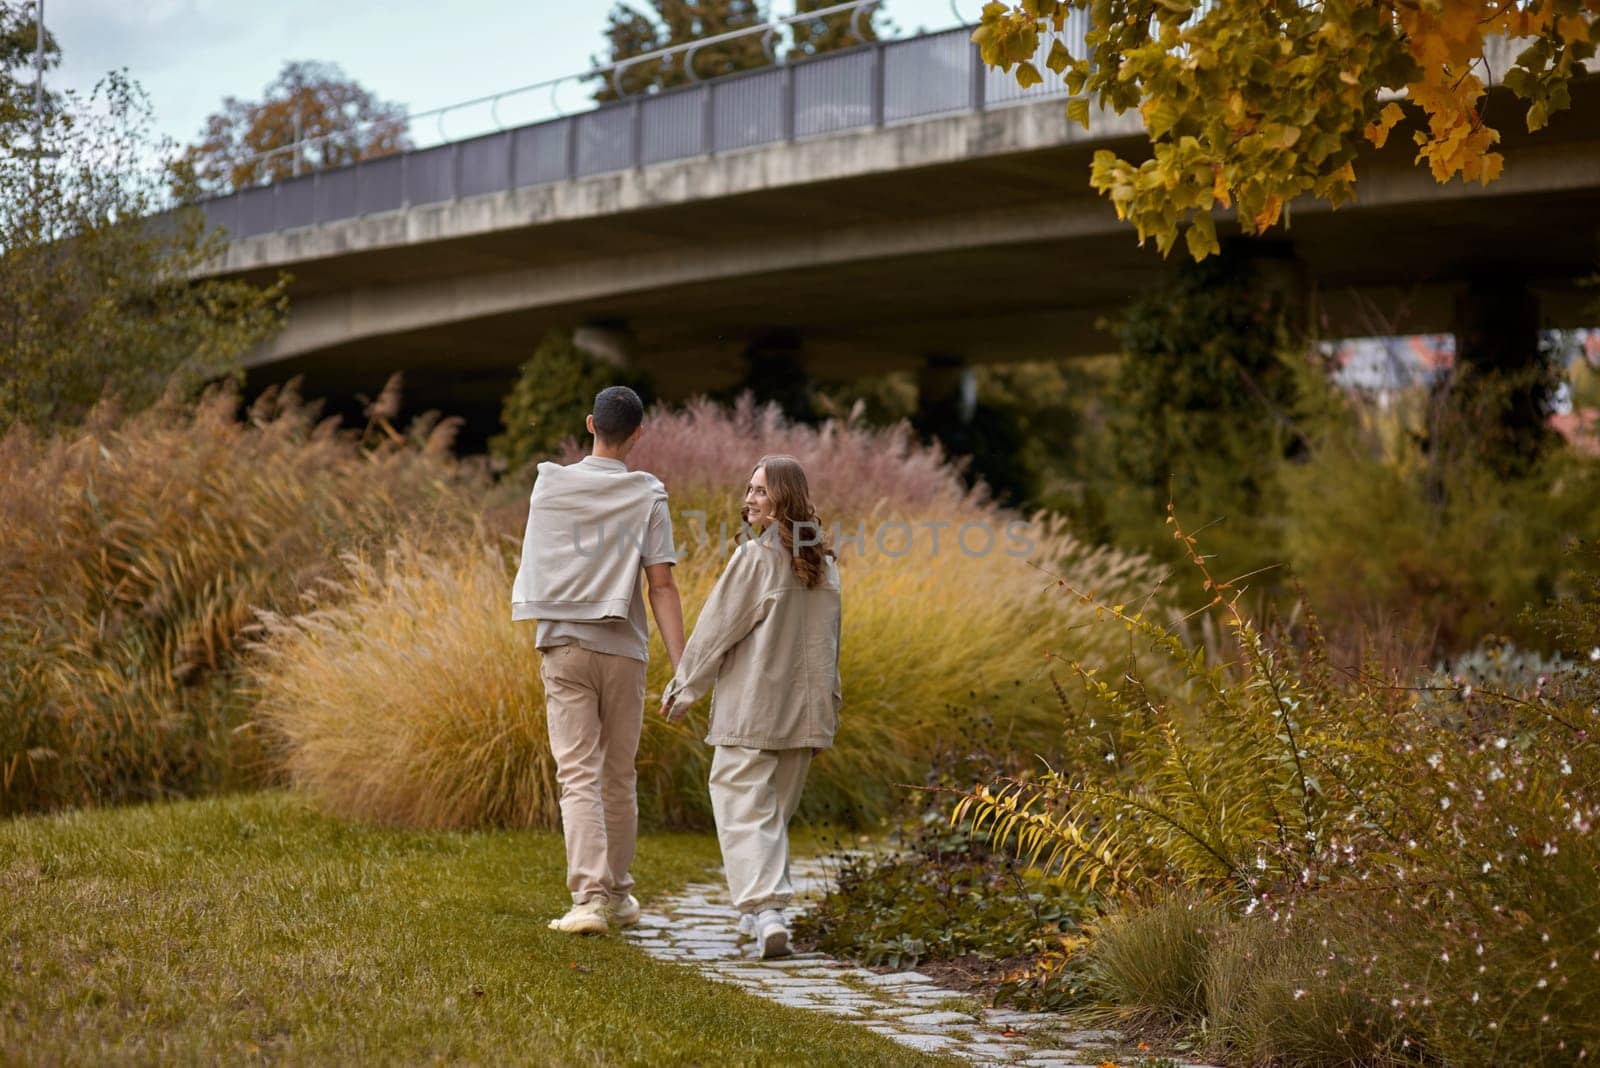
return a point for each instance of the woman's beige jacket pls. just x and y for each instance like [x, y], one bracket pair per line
[771, 648]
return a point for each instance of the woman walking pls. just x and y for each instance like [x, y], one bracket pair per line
[767, 640]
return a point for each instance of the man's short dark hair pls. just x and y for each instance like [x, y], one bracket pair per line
[618, 411]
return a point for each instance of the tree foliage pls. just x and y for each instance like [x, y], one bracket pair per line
[633, 32]
[308, 101]
[554, 390]
[1249, 105]
[18, 40]
[1208, 398]
[97, 293]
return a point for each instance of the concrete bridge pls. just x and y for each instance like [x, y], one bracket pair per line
[862, 211]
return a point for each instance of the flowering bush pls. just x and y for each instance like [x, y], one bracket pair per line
[1444, 851]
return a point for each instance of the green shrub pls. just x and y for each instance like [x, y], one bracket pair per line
[554, 390]
[1151, 962]
[133, 556]
[938, 901]
[943, 894]
[1454, 552]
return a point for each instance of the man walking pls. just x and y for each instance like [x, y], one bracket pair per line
[592, 526]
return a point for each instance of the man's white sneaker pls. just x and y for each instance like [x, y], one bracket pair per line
[586, 918]
[773, 933]
[624, 913]
[747, 924]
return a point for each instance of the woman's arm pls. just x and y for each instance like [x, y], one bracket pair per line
[737, 603]
[838, 685]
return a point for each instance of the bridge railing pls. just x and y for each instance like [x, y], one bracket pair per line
[879, 84]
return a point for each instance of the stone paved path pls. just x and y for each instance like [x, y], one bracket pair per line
[698, 928]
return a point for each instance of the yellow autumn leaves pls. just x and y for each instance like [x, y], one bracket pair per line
[1249, 106]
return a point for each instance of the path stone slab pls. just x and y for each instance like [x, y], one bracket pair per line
[1093, 1037]
[897, 979]
[934, 1019]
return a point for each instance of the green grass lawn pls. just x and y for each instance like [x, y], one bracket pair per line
[251, 928]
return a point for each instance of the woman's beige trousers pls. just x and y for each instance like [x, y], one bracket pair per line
[754, 792]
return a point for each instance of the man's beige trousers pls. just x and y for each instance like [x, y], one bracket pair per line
[594, 708]
[754, 793]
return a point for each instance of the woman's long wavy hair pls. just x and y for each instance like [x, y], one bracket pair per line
[790, 496]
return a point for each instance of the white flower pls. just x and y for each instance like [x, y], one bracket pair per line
[1499, 743]
[1594, 654]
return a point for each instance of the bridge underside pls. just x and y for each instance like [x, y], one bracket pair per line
[989, 256]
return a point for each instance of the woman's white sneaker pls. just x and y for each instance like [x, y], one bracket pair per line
[624, 913]
[773, 933]
[586, 918]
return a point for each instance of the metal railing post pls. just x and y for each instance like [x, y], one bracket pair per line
[636, 134]
[787, 109]
[405, 183]
[708, 121]
[978, 78]
[455, 170]
[877, 84]
[572, 148]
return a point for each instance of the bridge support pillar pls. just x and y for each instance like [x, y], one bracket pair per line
[1497, 325]
[1502, 386]
[1274, 273]
[947, 393]
[775, 372]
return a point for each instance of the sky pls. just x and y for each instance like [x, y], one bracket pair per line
[190, 54]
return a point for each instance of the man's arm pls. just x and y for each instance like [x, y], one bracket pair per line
[667, 608]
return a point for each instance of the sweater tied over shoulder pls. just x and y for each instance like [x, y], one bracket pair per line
[587, 525]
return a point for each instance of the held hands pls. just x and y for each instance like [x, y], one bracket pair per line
[671, 711]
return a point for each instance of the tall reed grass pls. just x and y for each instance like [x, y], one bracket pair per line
[410, 698]
[133, 553]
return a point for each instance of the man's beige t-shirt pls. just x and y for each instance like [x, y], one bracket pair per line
[619, 637]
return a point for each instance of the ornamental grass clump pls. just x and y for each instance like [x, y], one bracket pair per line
[1443, 851]
[411, 698]
[1151, 962]
[135, 551]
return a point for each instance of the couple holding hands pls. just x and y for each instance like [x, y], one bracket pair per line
[767, 640]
